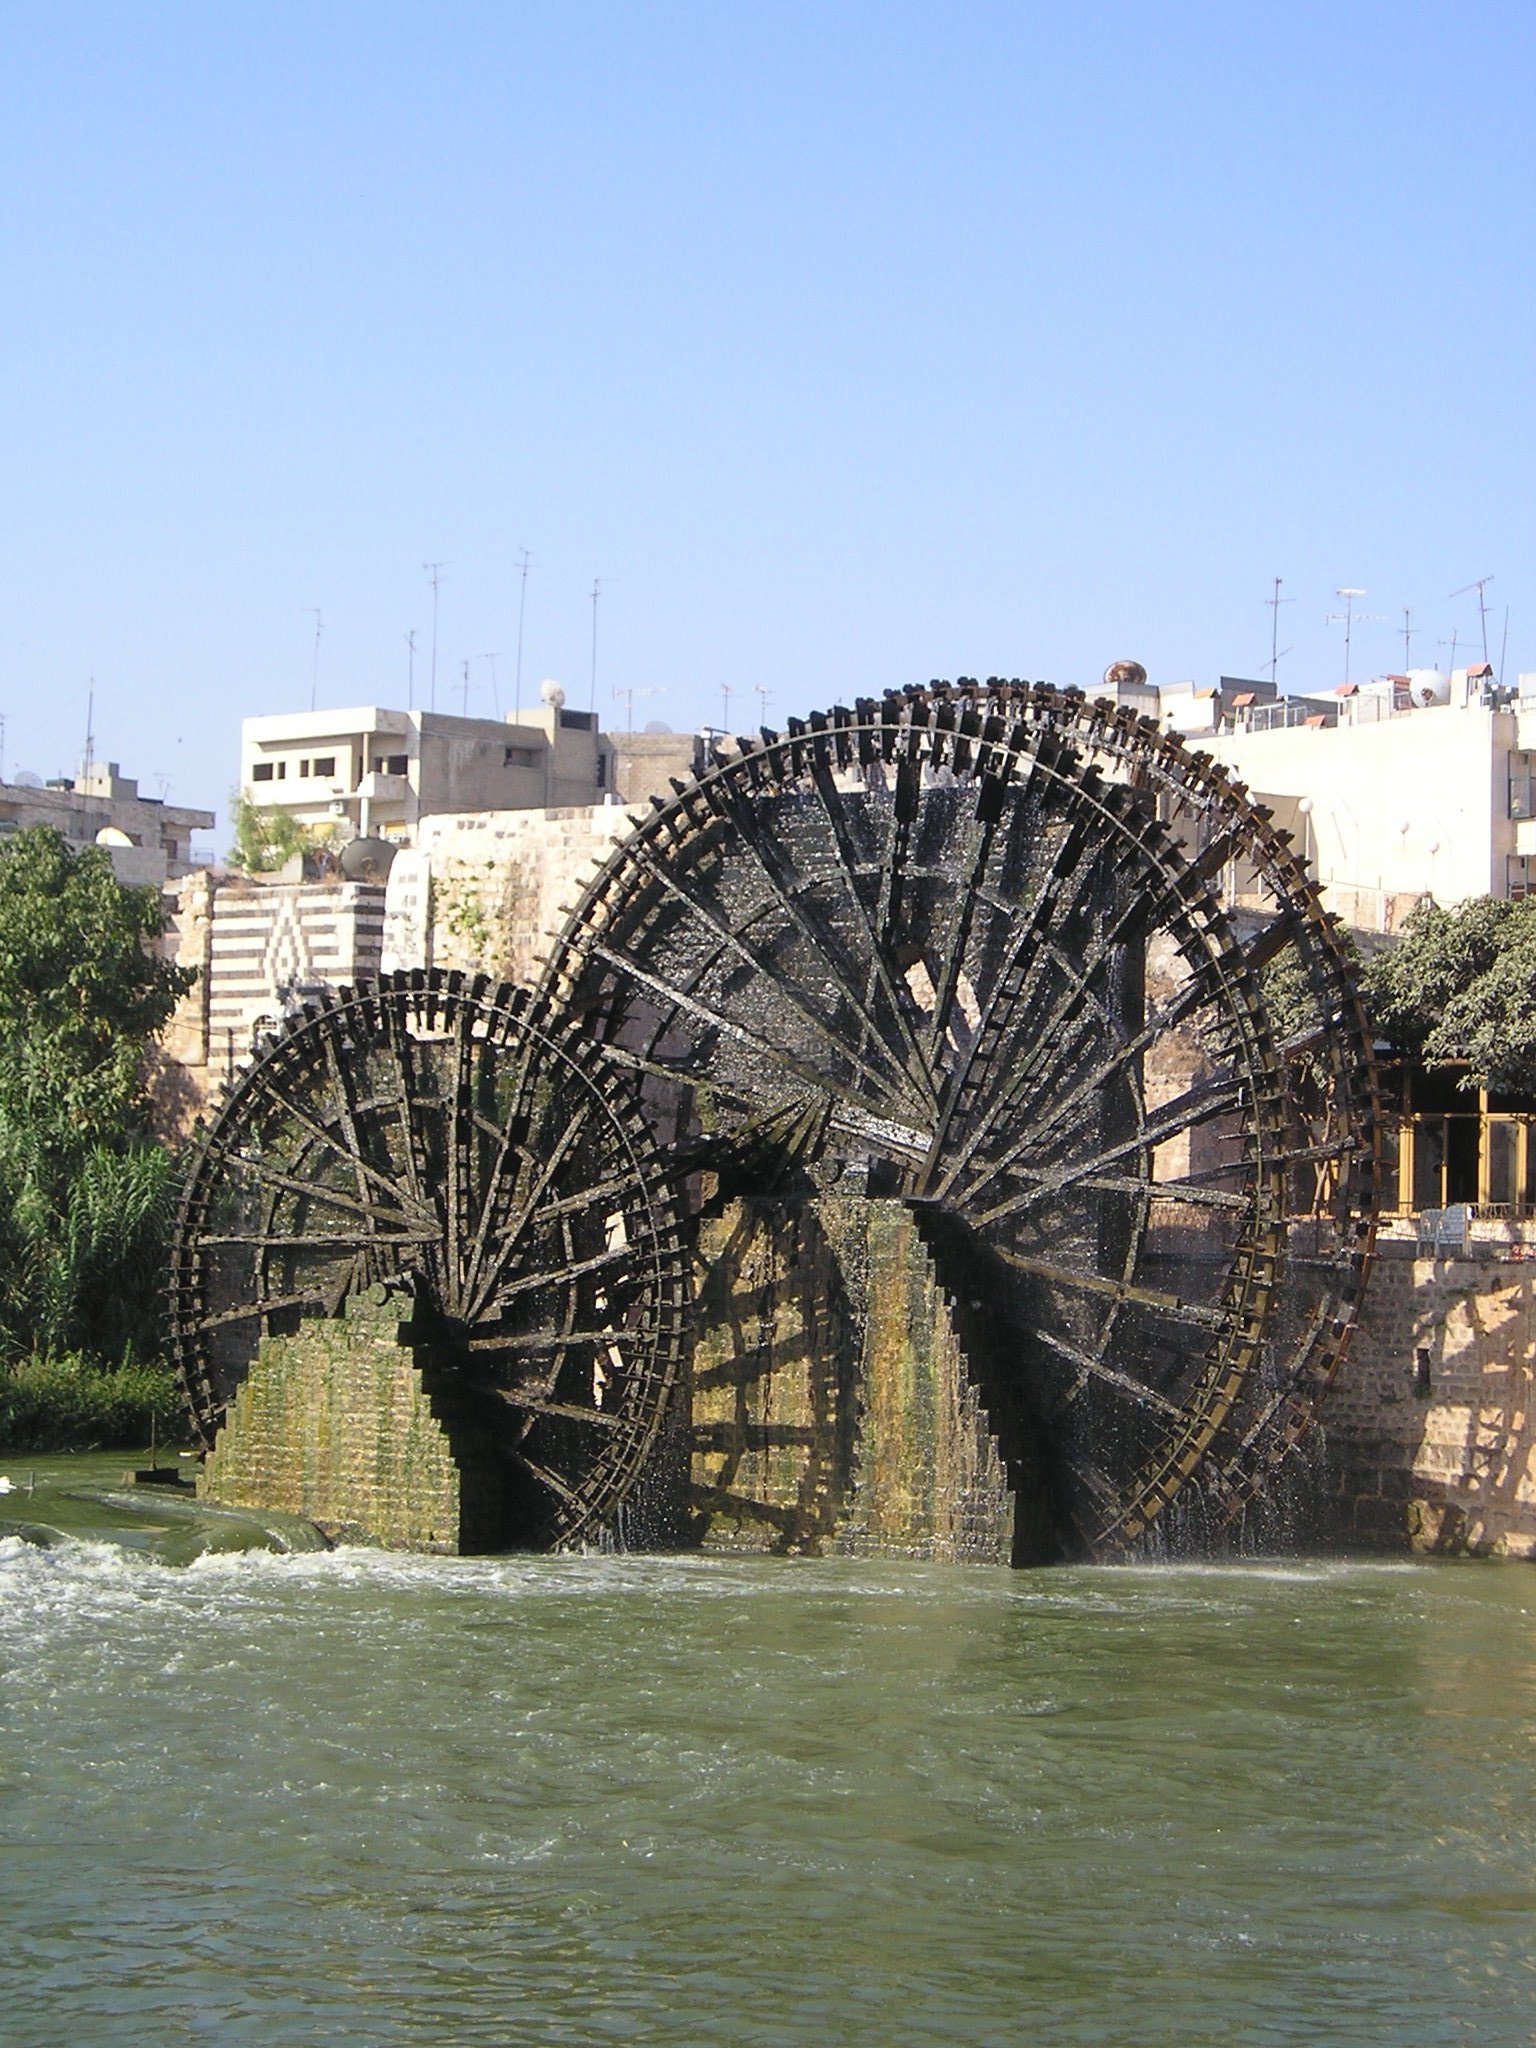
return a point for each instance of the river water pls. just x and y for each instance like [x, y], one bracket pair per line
[358, 1798]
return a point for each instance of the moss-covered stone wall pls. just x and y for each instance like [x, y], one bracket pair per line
[829, 1404]
[332, 1424]
[827, 1409]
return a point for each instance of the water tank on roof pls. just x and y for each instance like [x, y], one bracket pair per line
[1428, 686]
[1125, 674]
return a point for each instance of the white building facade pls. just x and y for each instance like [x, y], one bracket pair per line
[1393, 790]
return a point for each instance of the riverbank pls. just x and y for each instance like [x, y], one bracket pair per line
[1431, 1424]
[70, 1404]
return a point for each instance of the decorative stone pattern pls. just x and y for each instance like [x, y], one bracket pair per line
[333, 1424]
[274, 944]
[1431, 1428]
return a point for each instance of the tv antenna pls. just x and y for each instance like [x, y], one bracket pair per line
[434, 577]
[464, 700]
[1451, 643]
[1274, 604]
[726, 694]
[495, 693]
[1503, 650]
[1479, 586]
[522, 606]
[597, 591]
[410, 671]
[1347, 618]
[629, 693]
[90, 729]
[763, 694]
[314, 666]
[1407, 640]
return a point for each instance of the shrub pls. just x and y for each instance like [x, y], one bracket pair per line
[68, 1404]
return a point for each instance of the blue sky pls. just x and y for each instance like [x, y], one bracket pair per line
[847, 345]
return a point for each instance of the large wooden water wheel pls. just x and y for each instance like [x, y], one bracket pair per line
[972, 948]
[431, 1136]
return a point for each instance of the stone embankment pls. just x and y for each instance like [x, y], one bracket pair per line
[1430, 1427]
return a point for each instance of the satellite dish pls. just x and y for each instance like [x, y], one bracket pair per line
[367, 860]
[113, 835]
[552, 693]
[1429, 686]
[658, 725]
[28, 778]
[1131, 674]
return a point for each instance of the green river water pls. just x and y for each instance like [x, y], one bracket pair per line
[250, 1796]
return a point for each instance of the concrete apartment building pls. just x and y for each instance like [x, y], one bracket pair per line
[455, 791]
[377, 773]
[149, 841]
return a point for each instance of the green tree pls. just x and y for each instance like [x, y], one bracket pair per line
[84, 1193]
[1460, 990]
[264, 840]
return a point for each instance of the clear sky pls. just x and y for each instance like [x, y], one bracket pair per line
[848, 345]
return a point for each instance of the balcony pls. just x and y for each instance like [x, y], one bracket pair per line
[379, 788]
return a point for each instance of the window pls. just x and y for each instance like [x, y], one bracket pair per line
[521, 757]
[602, 771]
[303, 768]
[325, 764]
[262, 772]
[282, 771]
[398, 764]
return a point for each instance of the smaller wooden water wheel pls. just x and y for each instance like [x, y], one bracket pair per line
[432, 1134]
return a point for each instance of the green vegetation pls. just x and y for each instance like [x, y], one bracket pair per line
[264, 840]
[1460, 990]
[85, 1192]
[70, 1404]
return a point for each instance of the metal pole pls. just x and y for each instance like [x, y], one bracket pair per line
[522, 606]
[434, 568]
